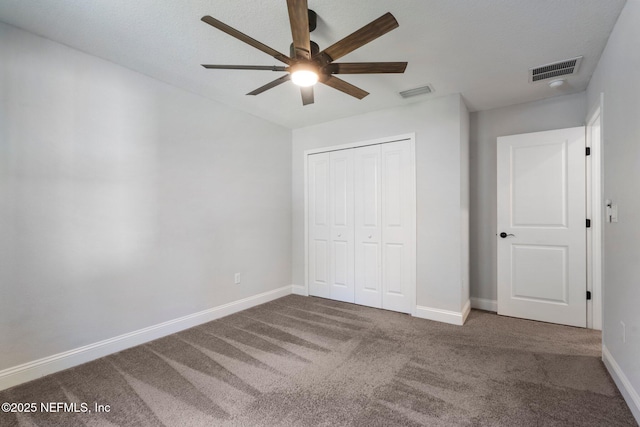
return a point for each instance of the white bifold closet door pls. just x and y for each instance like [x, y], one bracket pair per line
[398, 206]
[360, 226]
[318, 224]
[368, 226]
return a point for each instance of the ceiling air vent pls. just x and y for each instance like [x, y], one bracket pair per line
[556, 69]
[417, 91]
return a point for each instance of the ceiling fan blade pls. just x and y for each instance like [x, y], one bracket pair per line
[245, 38]
[307, 95]
[366, 67]
[270, 85]
[299, 18]
[343, 86]
[359, 38]
[245, 67]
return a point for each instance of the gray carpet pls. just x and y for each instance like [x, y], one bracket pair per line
[303, 361]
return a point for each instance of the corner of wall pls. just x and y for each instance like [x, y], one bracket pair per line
[299, 290]
[484, 304]
[464, 203]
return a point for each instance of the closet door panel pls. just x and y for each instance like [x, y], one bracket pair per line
[341, 267]
[318, 171]
[368, 251]
[394, 269]
[397, 203]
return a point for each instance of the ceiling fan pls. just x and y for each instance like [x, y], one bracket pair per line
[307, 65]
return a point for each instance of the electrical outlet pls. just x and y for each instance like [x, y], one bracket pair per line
[624, 333]
[236, 279]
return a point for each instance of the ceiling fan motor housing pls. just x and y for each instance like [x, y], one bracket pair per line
[314, 49]
[313, 20]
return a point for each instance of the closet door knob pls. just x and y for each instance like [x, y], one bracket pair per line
[370, 236]
[339, 235]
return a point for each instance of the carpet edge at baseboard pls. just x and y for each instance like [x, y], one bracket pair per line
[630, 394]
[29, 371]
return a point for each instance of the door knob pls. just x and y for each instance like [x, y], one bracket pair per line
[370, 236]
[339, 235]
[504, 235]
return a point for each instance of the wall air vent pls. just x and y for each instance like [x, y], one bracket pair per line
[556, 69]
[417, 91]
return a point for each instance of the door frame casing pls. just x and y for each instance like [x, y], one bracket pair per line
[595, 211]
[411, 137]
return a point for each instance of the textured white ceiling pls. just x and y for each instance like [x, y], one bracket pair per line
[479, 48]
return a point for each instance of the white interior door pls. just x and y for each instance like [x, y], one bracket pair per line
[341, 237]
[541, 226]
[398, 208]
[368, 226]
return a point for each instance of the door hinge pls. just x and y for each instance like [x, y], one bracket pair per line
[588, 295]
[588, 223]
[588, 150]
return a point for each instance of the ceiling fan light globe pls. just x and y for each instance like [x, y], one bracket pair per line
[304, 78]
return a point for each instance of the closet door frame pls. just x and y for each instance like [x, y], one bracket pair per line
[410, 137]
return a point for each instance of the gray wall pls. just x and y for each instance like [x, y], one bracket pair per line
[617, 77]
[486, 126]
[439, 128]
[125, 202]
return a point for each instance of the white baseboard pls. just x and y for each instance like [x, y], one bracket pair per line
[446, 316]
[299, 290]
[38, 368]
[624, 385]
[466, 310]
[484, 304]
